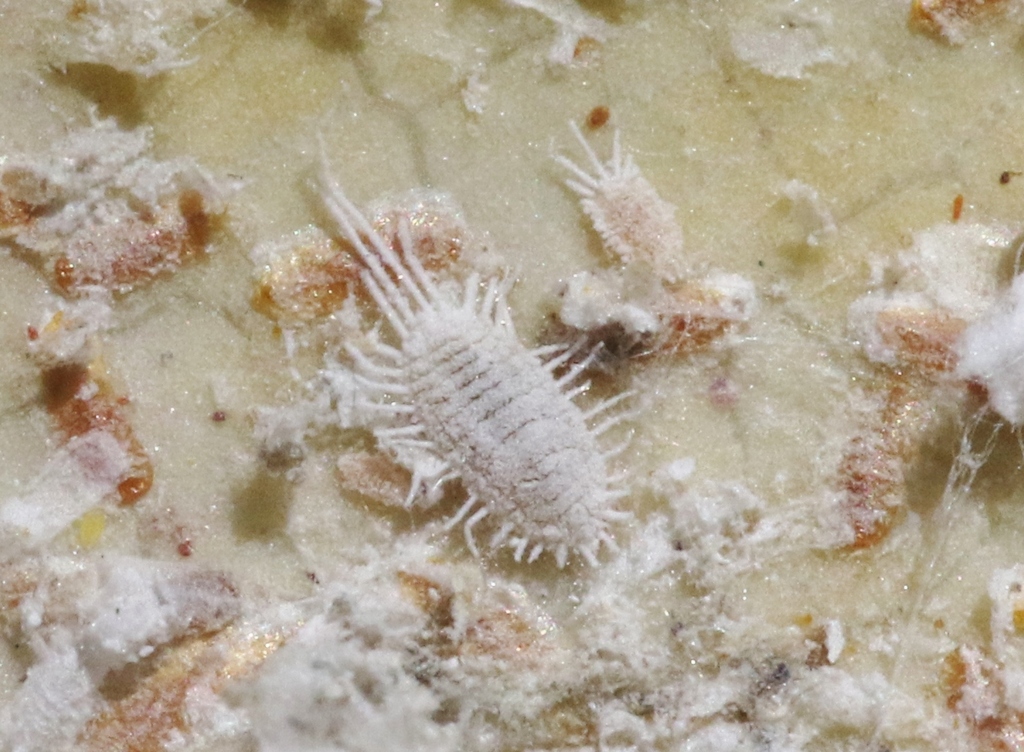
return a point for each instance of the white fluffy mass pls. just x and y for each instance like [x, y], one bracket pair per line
[956, 265]
[145, 37]
[75, 478]
[86, 617]
[98, 176]
[810, 212]
[574, 25]
[783, 42]
[950, 267]
[342, 683]
[136, 605]
[52, 704]
[592, 300]
[992, 353]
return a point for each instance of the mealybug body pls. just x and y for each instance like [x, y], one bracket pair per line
[634, 222]
[461, 397]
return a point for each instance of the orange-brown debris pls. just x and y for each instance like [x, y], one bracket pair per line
[374, 476]
[693, 319]
[18, 580]
[309, 282]
[438, 233]
[871, 474]
[155, 706]
[571, 723]
[924, 340]
[958, 207]
[586, 47]
[598, 117]
[13, 213]
[78, 9]
[433, 598]
[504, 635]
[975, 691]
[954, 677]
[80, 399]
[310, 275]
[945, 17]
[500, 633]
[134, 250]
[148, 716]
[871, 477]
[817, 644]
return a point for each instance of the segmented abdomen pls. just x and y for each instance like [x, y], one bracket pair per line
[468, 400]
[518, 442]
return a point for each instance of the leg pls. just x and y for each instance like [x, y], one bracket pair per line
[468, 529]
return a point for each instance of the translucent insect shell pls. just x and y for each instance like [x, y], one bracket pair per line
[464, 394]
